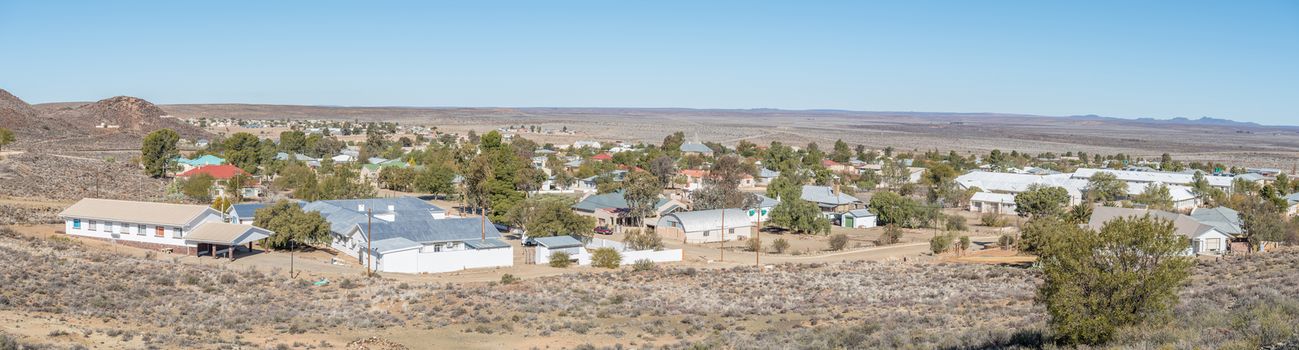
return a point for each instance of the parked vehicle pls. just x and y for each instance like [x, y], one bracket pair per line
[604, 230]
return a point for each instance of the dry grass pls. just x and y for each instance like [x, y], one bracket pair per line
[1229, 303]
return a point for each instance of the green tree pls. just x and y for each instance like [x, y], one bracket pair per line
[234, 186]
[1155, 196]
[788, 185]
[841, 152]
[940, 180]
[646, 239]
[1095, 282]
[198, 187]
[293, 141]
[292, 225]
[157, 152]
[435, 180]
[6, 138]
[560, 259]
[800, 216]
[241, 150]
[895, 209]
[1106, 187]
[1040, 201]
[606, 258]
[641, 190]
[664, 168]
[940, 244]
[550, 215]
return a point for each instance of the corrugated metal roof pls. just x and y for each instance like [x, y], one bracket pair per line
[554, 242]
[166, 214]
[1223, 218]
[490, 243]
[1003, 198]
[393, 244]
[825, 195]
[1183, 225]
[860, 213]
[696, 148]
[429, 230]
[611, 200]
[702, 220]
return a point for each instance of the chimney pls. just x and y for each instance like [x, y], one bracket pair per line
[360, 207]
[392, 208]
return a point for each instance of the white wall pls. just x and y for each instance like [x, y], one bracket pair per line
[667, 255]
[416, 261]
[543, 255]
[716, 235]
[864, 222]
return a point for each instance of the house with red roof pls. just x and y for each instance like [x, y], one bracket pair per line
[834, 166]
[603, 157]
[251, 188]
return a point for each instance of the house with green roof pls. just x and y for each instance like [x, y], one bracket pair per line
[186, 164]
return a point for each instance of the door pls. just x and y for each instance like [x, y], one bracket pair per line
[847, 221]
[159, 231]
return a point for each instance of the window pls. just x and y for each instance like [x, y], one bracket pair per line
[732, 231]
[91, 226]
[177, 233]
[159, 231]
[437, 247]
[140, 229]
[706, 233]
[76, 224]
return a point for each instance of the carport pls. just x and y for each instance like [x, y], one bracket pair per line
[215, 238]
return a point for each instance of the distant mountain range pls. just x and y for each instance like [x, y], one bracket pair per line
[1180, 121]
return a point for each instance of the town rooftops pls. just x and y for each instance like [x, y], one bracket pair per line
[703, 220]
[1015, 183]
[766, 202]
[226, 234]
[826, 196]
[1154, 176]
[695, 147]
[602, 157]
[556, 242]
[767, 173]
[165, 214]
[220, 172]
[1183, 225]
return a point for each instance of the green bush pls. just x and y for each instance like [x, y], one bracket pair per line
[642, 265]
[752, 245]
[892, 234]
[992, 220]
[1006, 241]
[560, 259]
[838, 241]
[779, 245]
[956, 223]
[606, 257]
[940, 244]
[964, 243]
[508, 279]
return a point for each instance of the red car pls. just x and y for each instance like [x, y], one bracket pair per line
[603, 230]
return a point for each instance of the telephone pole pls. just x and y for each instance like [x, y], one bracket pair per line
[722, 250]
[369, 252]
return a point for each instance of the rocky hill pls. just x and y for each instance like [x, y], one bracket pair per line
[122, 114]
[14, 112]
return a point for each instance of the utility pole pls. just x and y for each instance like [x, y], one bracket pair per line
[369, 252]
[722, 250]
[757, 237]
[482, 223]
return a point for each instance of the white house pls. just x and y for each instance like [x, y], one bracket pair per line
[409, 235]
[989, 202]
[1204, 239]
[141, 224]
[858, 218]
[1292, 204]
[705, 226]
[762, 212]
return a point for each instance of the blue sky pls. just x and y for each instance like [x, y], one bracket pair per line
[1226, 59]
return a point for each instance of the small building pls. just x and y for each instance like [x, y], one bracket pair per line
[566, 244]
[1292, 204]
[696, 148]
[218, 239]
[602, 157]
[580, 252]
[1204, 239]
[409, 235]
[705, 226]
[187, 164]
[830, 200]
[611, 209]
[223, 174]
[858, 218]
[1225, 219]
[140, 224]
[989, 202]
[762, 212]
[765, 176]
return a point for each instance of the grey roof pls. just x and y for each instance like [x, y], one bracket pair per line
[573, 163]
[764, 172]
[1293, 198]
[490, 243]
[1183, 225]
[393, 244]
[246, 210]
[860, 213]
[766, 202]
[1224, 219]
[558, 242]
[376, 160]
[344, 214]
[611, 200]
[825, 196]
[429, 230]
[696, 147]
[703, 220]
